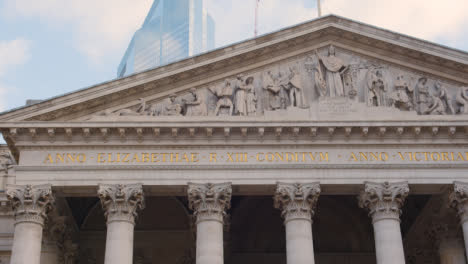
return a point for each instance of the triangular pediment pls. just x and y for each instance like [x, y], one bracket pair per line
[287, 75]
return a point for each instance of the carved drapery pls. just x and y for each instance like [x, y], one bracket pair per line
[296, 200]
[30, 203]
[384, 200]
[459, 200]
[209, 201]
[121, 202]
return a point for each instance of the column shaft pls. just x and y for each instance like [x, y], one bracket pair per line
[298, 202]
[209, 202]
[121, 204]
[384, 202]
[31, 205]
[465, 235]
[27, 243]
[388, 242]
[210, 242]
[299, 244]
[119, 243]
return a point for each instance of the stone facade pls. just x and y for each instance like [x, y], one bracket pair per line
[329, 142]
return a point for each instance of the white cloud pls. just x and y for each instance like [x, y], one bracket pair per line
[429, 20]
[100, 27]
[12, 53]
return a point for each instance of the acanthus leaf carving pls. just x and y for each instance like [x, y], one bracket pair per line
[121, 202]
[297, 200]
[384, 200]
[31, 203]
[209, 201]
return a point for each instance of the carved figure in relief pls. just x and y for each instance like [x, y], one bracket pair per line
[402, 97]
[6, 161]
[224, 94]
[313, 65]
[295, 88]
[276, 93]
[195, 106]
[245, 101]
[376, 88]
[462, 100]
[174, 108]
[435, 106]
[423, 97]
[444, 96]
[334, 70]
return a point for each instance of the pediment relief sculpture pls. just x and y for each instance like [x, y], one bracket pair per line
[328, 80]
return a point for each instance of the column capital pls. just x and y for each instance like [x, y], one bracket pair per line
[121, 202]
[297, 200]
[209, 201]
[458, 199]
[30, 203]
[384, 200]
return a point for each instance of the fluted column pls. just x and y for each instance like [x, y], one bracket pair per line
[384, 202]
[31, 205]
[459, 200]
[121, 204]
[297, 202]
[209, 203]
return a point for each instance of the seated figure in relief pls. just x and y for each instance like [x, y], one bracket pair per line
[224, 94]
[174, 108]
[462, 100]
[195, 106]
[277, 96]
[435, 106]
[402, 97]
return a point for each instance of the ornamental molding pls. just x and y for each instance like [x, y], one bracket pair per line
[31, 204]
[121, 202]
[384, 200]
[297, 200]
[209, 201]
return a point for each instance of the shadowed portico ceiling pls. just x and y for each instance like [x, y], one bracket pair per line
[420, 56]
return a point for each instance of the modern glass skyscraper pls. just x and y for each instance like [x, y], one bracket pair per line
[173, 30]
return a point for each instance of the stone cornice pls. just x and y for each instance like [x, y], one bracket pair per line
[425, 56]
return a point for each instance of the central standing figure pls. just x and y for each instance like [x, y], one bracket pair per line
[334, 69]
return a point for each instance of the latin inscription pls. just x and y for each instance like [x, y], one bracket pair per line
[264, 157]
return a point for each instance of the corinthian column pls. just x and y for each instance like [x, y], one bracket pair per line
[384, 202]
[459, 200]
[209, 202]
[298, 201]
[31, 205]
[121, 204]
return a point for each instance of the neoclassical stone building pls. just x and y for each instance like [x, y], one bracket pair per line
[327, 142]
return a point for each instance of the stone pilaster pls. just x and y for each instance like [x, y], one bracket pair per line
[384, 202]
[297, 202]
[31, 205]
[458, 199]
[209, 203]
[121, 204]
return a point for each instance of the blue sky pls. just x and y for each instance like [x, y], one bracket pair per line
[51, 47]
